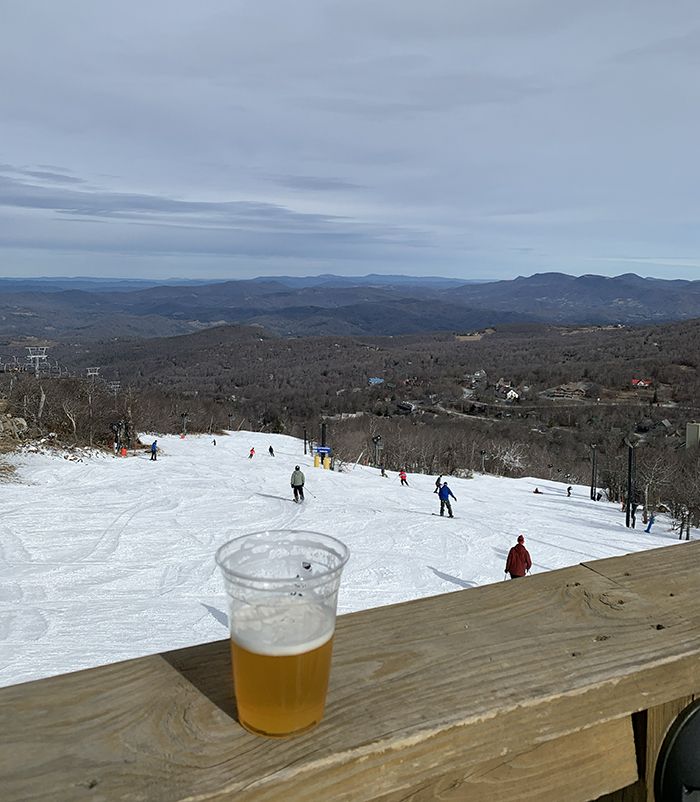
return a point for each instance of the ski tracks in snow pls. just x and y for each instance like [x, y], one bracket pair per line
[119, 553]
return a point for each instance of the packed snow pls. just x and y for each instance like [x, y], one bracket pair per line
[113, 558]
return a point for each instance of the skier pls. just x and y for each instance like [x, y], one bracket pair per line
[214, 441]
[384, 474]
[252, 453]
[271, 451]
[518, 562]
[652, 518]
[402, 477]
[154, 451]
[297, 484]
[438, 483]
[444, 496]
[568, 491]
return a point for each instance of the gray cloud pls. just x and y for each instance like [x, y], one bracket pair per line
[46, 174]
[312, 183]
[475, 139]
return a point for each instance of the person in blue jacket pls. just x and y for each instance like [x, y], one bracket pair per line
[154, 451]
[444, 496]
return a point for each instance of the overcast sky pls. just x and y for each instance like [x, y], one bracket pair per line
[466, 138]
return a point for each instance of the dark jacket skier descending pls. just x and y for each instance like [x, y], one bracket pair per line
[444, 495]
[298, 484]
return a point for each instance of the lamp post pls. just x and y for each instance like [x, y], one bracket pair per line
[184, 423]
[483, 460]
[378, 446]
[630, 509]
[594, 471]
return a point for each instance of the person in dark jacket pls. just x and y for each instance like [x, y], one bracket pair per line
[271, 451]
[650, 523]
[154, 451]
[298, 484]
[568, 491]
[444, 496]
[518, 562]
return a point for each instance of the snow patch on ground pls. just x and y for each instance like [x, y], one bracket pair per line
[105, 558]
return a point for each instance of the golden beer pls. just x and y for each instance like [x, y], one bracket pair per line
[279, 695]
[283, 593]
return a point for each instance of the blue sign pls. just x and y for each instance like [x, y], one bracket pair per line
[323, 449]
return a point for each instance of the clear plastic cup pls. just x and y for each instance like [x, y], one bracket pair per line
[283, 593]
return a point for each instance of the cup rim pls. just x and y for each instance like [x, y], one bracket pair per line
[340, 549]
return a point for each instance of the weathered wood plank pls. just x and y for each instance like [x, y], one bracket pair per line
[592, 759]
[417, 690]
[667, 576]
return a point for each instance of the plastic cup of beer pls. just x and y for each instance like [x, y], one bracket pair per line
[282, 587]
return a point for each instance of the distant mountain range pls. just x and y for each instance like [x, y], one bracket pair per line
[338, 305]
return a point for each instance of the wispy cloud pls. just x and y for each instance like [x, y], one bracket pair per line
[48, 175]
[313, 183]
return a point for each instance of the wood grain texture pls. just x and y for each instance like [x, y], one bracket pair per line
[551, 772]
[465, 684]
[666, 577]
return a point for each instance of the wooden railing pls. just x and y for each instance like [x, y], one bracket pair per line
[556, 688]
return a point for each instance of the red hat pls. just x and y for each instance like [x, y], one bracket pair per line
[521, 538]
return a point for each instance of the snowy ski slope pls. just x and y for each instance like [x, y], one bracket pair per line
[112, 558]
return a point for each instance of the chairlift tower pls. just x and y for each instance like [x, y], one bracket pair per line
[92, 373]
[37, 356]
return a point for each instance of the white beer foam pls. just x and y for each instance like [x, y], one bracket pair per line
[283, 628]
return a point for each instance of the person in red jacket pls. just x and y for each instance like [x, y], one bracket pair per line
[402, 477]
[518, 562]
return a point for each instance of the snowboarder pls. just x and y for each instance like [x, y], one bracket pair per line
[154, 451]
[381, 468]
[438, 484]
[297, 484]
[214, 441]
[271, 451]
[518, 562]
[402, 477]
[444, 496]
[252, 453]
[568, 491]
[652, 518]
[537, 491]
